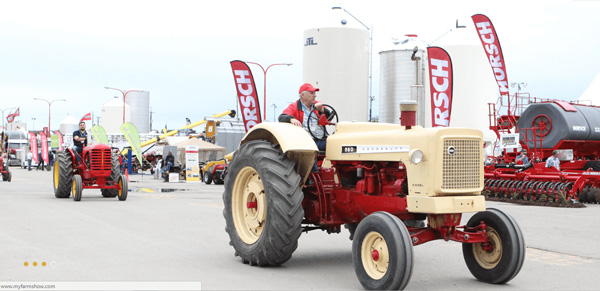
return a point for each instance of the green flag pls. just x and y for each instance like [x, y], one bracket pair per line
[100, 134]
[133, 137]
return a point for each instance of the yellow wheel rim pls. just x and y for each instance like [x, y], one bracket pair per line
[375, 255]
[120, 185]
[489, 259]
[56, 174]
[74, 187]
[248, 205]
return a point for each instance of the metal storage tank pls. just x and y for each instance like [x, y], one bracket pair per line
[139, 103]
[399, 76]
[69, 125]
[336, 60]
[560, 124]
[112, 115]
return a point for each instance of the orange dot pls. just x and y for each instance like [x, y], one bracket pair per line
[26, 264]
[34, 264]
[44, 264]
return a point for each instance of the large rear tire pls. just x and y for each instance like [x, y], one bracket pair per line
[63, 174]
[382, 252]
[115, 172]
[77, 187]
[263, 204]
[504, 261]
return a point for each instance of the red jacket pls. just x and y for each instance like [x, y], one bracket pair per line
[294, 110]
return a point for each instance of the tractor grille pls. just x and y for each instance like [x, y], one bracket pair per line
[462, 169]
[100, 160]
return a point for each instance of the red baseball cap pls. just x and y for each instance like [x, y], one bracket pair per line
[307, 87]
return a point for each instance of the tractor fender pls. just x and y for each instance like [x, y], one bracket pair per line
[294, 141]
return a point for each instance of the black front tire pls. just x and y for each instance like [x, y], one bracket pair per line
[504, 261]
[208, 178]
[115, 173]
[77, 187]
[122, 194]
[263, 204]
[382, 252]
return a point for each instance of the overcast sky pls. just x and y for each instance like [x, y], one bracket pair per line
[180, 50]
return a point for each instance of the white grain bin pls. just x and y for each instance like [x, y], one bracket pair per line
[112, 115]
[402, 79]
[139, 103]
[592, 93]
[69, 125]
[336, 60]
[474, 84]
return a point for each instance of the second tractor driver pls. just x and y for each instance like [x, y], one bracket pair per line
[79, 139]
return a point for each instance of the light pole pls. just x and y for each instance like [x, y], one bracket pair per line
[3, 126]
[124, 95]
[274, 107]
[49, 109]
[370, 29]
[265, 79]
[33, 126]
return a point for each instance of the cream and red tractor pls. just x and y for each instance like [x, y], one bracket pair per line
[393, 186]
[98, 168]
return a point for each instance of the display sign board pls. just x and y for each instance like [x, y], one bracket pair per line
[192, 169]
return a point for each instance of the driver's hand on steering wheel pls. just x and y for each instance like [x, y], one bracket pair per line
[296, 122]
[319, 106]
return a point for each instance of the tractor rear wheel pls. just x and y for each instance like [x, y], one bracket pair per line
[504, 260]
[263, 204]
[77, 187]
[382, 252]
[115, 172]
[63, 174]
[124, 188]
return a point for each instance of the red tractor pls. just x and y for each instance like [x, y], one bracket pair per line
[4, 170]
[97, 168]
[393, 186]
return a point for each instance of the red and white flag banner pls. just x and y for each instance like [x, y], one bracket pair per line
[440, 85]
[246, 90]
[44, 143]
[33, 146]
[491, 45]
[88, 116]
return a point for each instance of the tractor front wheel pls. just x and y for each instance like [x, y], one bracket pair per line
[63, 174]
[115, 172]
[124, 188]
[77, 187]
[208, 177]
[502, 258]
[382, 252]
[263, 204]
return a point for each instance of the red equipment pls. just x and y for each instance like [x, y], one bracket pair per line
[545, 126]
[97, 168]
[4, 170]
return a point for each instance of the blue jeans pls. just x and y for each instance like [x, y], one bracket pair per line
[78, 152]
[321, 145]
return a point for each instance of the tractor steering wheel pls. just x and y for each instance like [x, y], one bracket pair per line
[321, 127]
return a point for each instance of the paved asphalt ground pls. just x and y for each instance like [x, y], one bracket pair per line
[174, 232]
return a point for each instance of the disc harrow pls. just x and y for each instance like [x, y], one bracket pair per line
[544, 191]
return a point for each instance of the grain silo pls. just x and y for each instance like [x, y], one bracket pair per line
[69, 125]
[401, 79]
[336, 60]
[112, 115]
[139, 104]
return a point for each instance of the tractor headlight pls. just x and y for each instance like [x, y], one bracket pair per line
[416, 156]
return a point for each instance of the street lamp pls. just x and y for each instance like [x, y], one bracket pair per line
[124, 95]
[265, 86]
[370, 29]
[274, 108]
[49, 109]
[3, 126]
